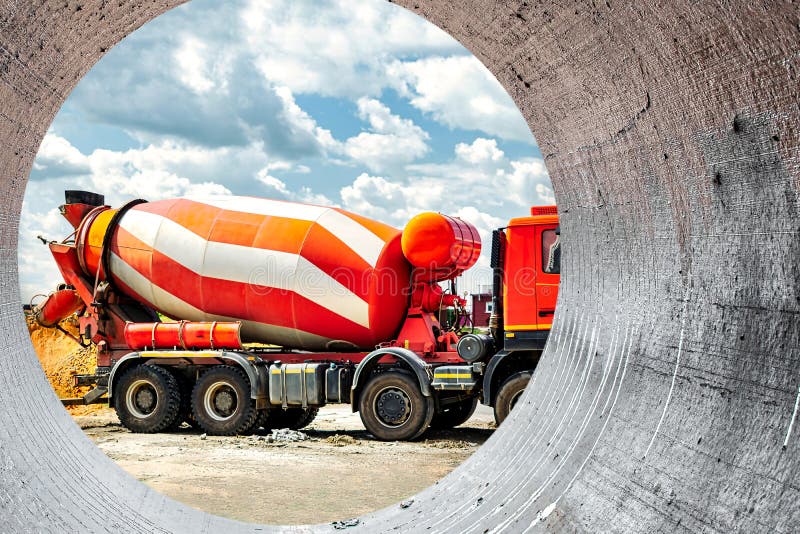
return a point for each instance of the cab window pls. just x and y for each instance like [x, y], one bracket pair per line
[551, 252]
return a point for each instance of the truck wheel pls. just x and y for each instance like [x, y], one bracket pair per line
[294, 418]
[509, 394]
[221, 402]
[454, 414]
[147, 399]
[393, 407]
[185, 411]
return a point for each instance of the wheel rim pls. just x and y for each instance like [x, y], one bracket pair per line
[220, 401]
[141, 399]
[514, 399]
[393, 407]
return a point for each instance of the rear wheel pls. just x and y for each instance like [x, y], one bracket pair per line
[393, 408]
[185, 385]
[509, 394]
[147, 399]
[221, 402]
[294, 418]
[454, 414]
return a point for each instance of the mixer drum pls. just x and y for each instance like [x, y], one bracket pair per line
[296, 275]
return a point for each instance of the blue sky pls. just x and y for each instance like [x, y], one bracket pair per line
[364, 106]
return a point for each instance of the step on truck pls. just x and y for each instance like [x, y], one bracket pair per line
[233, 313]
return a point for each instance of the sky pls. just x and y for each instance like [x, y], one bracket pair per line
[364, 106]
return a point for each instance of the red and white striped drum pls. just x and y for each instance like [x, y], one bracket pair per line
[297, 275]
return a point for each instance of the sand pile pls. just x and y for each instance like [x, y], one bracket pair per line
[61, 359]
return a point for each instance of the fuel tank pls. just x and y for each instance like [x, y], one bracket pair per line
[296, 275]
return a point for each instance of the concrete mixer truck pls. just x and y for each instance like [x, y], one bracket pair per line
[233, 313]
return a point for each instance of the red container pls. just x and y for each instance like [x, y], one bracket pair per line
[185, 335]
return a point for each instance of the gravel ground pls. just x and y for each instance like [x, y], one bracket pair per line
[330, 471]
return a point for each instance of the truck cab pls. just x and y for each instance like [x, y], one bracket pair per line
[530, 287]
[526, 263]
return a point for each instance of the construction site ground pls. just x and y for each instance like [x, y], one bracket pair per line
[337, 473]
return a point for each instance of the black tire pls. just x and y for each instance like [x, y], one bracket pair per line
[508, 394]
[454, 414]
[393, 408]
[147, 399]
[221, 402]
[261, 420]
[185, 385]
[294, 418]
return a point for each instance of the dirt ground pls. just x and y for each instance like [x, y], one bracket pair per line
[337, 473]
[62, 358]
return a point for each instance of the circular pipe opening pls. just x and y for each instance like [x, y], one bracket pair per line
[661, 142]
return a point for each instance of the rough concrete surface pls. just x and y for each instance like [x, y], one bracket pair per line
[666, 400]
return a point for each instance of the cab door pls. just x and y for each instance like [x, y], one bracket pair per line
[521, 270]
[548, 262]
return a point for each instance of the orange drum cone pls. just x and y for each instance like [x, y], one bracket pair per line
[442, 246]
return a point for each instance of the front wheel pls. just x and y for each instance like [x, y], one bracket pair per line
[393, 408]
[221, 402]
[147, 399]
[509, 394]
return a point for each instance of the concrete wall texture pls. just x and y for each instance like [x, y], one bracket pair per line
[667, 398]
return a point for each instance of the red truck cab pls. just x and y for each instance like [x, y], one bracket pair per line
[526, 261]
[532, 265]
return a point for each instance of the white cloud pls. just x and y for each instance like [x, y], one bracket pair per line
[57, 157]
[276, 186]
[546, 194]
[483, 222]
[336, 48]
[374, 196]
[305, 194]
[479, 151]
[460, 92]
[192, 62]
[300, 122]
[526, 176]
[480, 184]
[396, 202]
[391, 142]
[340, 49]
[164, 171]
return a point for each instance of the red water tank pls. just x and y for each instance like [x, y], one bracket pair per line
[183, 335]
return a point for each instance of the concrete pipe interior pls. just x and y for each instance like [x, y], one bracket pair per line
[667, 399]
